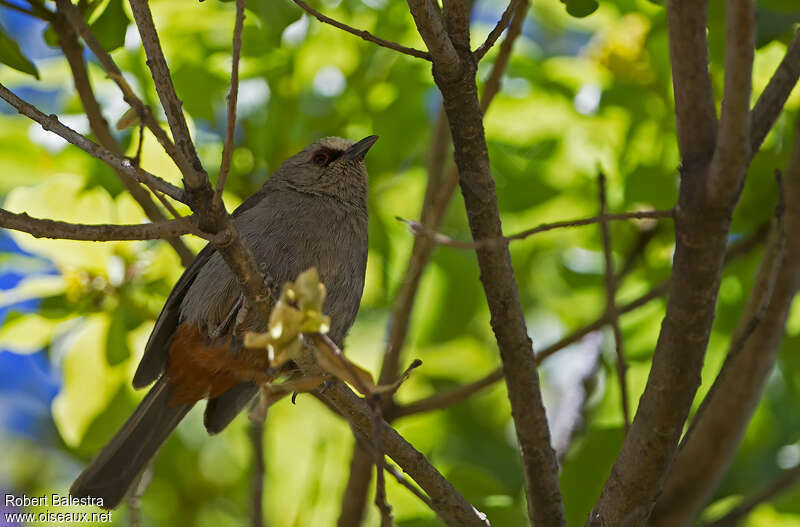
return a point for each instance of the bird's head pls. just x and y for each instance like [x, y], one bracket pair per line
[330, 165]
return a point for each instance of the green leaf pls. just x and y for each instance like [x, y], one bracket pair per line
[12, 56]
[110, 26]
[580, 8]
[89, 382]
[275, 16]
[123, 320]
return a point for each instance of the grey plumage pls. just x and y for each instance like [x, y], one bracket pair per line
[311, 213]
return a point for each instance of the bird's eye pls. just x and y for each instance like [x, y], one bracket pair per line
[320, 159]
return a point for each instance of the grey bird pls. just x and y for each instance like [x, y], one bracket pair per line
[311, 213]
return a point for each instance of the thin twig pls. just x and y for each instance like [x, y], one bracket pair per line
[492, 85]
[366, 35]
[257, 420]
[134, 500]
[52, 124]
[611, 304]
[233, 94]
[732, 151]
[44, 228]
[404, 481]
[771, 101]
[440, 239]
[380, 482]
[779, 485]
[766, 289]
[501, 26]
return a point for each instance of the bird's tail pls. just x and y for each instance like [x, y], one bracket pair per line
[116, 467]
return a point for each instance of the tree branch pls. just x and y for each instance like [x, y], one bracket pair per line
[193, 171]
[257, 420]
[492, 85]
[44, 228]
[233, 95]
[428, 19]
[52, 124]
[695, 112]
[718, 427]
[771, 101]
[502, 24]
[702, 223]
[779, 485]
[454, 71]
[611, 305]
[366, 35]
[212, 216]
[448, 503]
[419, 229]
[732, 152]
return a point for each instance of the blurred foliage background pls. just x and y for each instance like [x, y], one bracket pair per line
[580, 95]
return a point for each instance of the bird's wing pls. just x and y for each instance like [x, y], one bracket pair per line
[154, 360]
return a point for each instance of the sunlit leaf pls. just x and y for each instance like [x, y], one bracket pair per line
[109, 27]
[89, 381]
[12, 56]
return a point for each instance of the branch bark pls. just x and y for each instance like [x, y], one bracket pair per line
[718, 428]
[366, 35]
[781, 484]
[454, 69]
[702, 222]
[771, 101]
[211, 214]
[45, 228]
[448, 503]
[115, 161]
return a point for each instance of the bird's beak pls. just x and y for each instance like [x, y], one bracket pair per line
[360, 149]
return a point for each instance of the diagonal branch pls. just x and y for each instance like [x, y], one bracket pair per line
[502, 24]
[233, 95]
[193, 172]
[73, 14]
[428, 19]
[44, 228]
[732, 152]
[611, 305]
[448, 503]
[695, 112]
[366, 35]
[771, 101]
[779, 485]
[115, 161]
[454, 70]
[213, 219]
